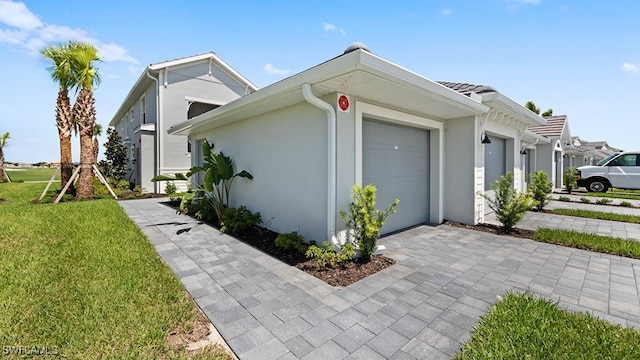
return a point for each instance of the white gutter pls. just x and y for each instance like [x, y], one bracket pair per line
[331, 153]
[157, 183]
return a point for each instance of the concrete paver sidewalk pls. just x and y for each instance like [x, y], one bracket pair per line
[425, 306]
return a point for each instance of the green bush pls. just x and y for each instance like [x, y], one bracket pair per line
[564, 198]
[569, 179]
[585, 200]
[170, 188]
[239, 220]
[540, 188]
[603, 201]
[626, 204]
[328, 256]
[292, 241]
[508, 204]
[364, 220]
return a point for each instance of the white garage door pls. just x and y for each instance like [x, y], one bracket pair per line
[395, 159]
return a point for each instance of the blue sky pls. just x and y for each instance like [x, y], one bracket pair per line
[580, 57]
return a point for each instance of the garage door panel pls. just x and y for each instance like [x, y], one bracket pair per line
[395, 160]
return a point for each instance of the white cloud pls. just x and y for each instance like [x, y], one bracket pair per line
[630, 68]
[33, 35]
[446, 12]
[331, 27]
[270, 69]
[16, 14]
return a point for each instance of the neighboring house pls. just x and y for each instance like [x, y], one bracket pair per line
[593, 151]
[505, 127]
[578, 155]
[167, 93]
[360, 119]
[550, 157]
[530, 143]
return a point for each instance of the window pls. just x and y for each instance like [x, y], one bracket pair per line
[143, 105]
[131, 115]
[626, 160]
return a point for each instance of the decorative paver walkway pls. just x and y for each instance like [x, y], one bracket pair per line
[423, 307]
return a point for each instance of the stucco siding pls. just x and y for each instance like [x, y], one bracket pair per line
[286, 152]
[459, 159]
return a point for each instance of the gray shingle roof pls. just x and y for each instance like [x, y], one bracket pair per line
[554, 127]
[467, 89]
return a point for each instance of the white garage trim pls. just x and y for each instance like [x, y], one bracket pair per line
[436, 149]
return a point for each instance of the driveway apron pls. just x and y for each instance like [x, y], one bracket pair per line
[425, 306]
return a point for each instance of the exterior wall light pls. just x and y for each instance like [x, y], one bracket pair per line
[485, 139]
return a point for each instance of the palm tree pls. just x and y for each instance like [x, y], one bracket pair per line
[83, 56]
[3, 141]
[61, 72]
[97, 131]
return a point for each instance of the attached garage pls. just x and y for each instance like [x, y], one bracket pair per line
[395, 158]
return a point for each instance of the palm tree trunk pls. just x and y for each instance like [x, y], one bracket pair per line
[85, 114]
[64, 123]
[1, 166]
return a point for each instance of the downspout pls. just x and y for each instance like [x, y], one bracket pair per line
[157, 152]
[331, 154]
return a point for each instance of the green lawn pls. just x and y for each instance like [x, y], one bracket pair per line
[598, 215]
[80, 278]
[593, 242]
[617, 194]
[32, 174]
[525, 327]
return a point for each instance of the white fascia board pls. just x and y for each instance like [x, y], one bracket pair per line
[528, 135]
[505, 103]
[402, 76]
[344, 64]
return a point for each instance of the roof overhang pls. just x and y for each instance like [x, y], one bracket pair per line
[359, 74]
[530, 138]
[504, 104]
[152, 71]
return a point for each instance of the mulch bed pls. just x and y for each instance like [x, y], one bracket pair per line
[493, 229]
[263, 239]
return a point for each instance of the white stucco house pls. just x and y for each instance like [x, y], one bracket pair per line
[360, 119]
[550, 157]
[167, 93]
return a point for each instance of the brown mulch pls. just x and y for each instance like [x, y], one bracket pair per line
[263, 239]
[493, 229]
[347, 274]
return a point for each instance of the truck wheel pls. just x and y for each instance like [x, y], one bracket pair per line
[597, 186]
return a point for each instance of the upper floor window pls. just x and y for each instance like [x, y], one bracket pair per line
[143, 105]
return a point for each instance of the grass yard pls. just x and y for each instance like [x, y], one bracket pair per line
[617, 194]
[80, 280]
[521, 326]
[32, 174]
[598, 215]
[593, 242]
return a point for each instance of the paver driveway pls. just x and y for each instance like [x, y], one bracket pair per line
[425, 306]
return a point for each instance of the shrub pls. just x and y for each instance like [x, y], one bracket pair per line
[626, 204]
[328, 256]
[540, 188]
[569, 179]
[170, 188]
[585, 200]
[564, 198]
[198, 207]
[508, 204]
[292, 241]
[364, 220]
[603, 201]
[237, 221]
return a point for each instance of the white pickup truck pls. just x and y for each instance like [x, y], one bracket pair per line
[620, 171]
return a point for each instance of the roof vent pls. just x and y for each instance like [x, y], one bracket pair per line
[355, 46]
